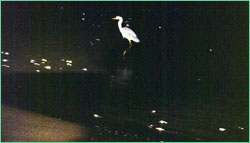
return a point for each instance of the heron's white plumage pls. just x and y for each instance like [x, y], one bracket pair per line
[125, 31]
[129, 34]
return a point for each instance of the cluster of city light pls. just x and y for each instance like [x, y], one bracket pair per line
[43, 63]
[5, 60]
[69, 63]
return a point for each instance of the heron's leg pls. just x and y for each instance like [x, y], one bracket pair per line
[124, 53]
[130, 44]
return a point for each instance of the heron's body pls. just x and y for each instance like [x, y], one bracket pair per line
[127, 33]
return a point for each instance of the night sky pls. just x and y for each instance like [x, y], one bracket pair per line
[195, 38]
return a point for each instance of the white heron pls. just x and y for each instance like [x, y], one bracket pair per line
[126, 33]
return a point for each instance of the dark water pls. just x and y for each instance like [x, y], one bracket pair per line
[125, 101]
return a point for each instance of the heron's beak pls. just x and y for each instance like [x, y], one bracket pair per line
[114, 18]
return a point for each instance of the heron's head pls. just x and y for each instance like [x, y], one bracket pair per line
[117, 18]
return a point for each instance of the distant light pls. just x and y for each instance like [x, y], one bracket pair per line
[37, 70]
[150, 126]
[129, 18]
[7, 66]
[159, 27]
[241, 128]
[5, 60]
[69, 61]
[62, 7]
[62, 60]
[153, 111]
[97, 39]
[7, 53]
[32, 61]
[222, 129]
[83, 13]
[36, 64]
[91, 43]
[127, 25]
[97, 116]
[47, 67]
[44, 60]
[83, 18]
[163, 122]
[85, 69]
[69, 64]
[98, 26]
[199, 79]
[60, 68]
[2, 52]
[160, 129]
[210, 50]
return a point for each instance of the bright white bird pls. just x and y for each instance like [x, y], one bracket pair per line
[126, 33]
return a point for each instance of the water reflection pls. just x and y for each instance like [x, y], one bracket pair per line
[160, 129]
[85, 69]
[97, 116]
[47, 67]
[7, 66]
[150, 126]
[241, 128]
[5, 60]
[153, 111]
[222, 129]
[163, 122]
[44, 60]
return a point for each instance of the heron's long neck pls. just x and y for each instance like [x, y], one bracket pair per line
[120, 24]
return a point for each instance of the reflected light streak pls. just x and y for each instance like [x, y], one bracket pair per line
[163, 122]
[36, 64]
[47, 67]
[7, 66]
[32, 61]
[69, 64]
[5, 60]
[150, 126]
[153, 111]
[69, 61]
[222, 129]
[160, 129]
[44, 60]
[97, 116]
[241, 128]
